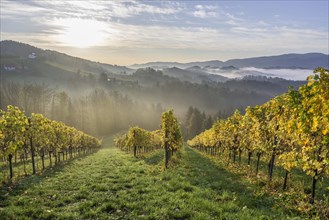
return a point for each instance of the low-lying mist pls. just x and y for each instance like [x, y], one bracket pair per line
[109, 103]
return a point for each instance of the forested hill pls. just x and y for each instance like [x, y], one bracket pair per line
[19, 54]
[102, 98]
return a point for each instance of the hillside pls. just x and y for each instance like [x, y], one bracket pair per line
[193, 75]
[17, 54]
[291, 61]
[285, 61]
[102, 98]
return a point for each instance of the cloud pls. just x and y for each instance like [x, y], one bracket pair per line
[157, 25]
[104, 10]
[138, 36]
[133, 8]
[205, 11]
[38, 17]
[231, 19]
[232, 22]
[262, 23]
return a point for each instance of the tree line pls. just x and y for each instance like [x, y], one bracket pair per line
[100, 112]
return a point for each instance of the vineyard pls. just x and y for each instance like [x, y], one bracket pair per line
[140, 141]
[270, 162]
[291, 131]
[26, 139]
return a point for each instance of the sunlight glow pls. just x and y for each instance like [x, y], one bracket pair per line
[81, 33]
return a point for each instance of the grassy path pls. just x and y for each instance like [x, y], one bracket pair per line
[113, 185]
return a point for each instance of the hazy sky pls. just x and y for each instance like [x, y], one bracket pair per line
[128, 32]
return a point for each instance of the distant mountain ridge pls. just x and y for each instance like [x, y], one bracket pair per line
[162, 65]
[19, 58]
[285, 61]
[289, 61]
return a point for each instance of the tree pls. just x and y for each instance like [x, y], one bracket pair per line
[195, 123]
[207, 123]
[171, 134]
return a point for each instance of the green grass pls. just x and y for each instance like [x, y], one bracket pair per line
[297, 181]
[18, 167]
[113, 185]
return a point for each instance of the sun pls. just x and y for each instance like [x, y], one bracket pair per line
[81, 33]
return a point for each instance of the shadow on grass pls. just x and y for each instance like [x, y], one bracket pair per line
[297, 180]
[155, 158]
[16, 188]
[205, 173]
